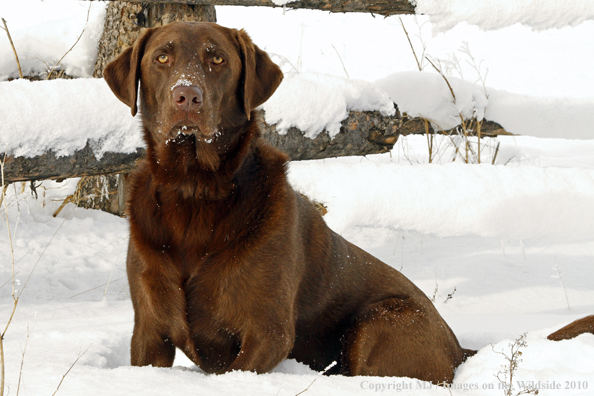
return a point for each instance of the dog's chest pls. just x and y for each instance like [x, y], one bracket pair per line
[192, 228]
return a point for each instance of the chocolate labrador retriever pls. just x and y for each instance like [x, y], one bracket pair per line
[226, 262]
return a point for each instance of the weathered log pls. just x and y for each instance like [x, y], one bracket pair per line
[362, 133]
[82, 163]
[380, 7]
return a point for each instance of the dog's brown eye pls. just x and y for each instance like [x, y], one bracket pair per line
[217, 60]
[163, 59]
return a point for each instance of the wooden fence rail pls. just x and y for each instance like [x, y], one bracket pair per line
[361, 133]
[379, 7]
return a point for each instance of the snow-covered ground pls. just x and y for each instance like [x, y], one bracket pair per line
[502, 249]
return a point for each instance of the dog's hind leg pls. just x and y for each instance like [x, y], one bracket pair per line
[401, 337]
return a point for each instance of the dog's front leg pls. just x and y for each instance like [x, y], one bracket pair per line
[148, 347]
[262, 352]
[160, 321]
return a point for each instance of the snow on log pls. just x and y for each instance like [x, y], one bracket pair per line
[380, 7]
[71, 128]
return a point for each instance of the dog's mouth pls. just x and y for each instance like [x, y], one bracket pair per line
[181, 131]
[178, 130]
[184, 135]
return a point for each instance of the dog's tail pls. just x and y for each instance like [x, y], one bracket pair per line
[574, 329]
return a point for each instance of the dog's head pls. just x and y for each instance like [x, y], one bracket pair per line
[196, 78]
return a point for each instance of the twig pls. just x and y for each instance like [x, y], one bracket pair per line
[8, 280]
[450, 295]
[341, 62]
[113, 269]
[69, 198]
[4, 188]
[13, 48]
[41, 255]
[563, 286]
[8, 225]
[496, 152]
[430, 139]
[306, 389]
[411, 46]
[2, 362]
[96, 287]
[64, 376]
[73, 45]
[444, 77]
[15, 298]
[23, 360]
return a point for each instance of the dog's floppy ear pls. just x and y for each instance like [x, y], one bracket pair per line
[260, 76]
[123, 73]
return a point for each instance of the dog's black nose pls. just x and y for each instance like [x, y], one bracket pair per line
[187, 98]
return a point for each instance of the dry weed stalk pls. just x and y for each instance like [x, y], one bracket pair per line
[430, 136]
[341, 62]
[23, 360]
[507, 372]
[67, 372]
[306, 389]
[98, 287]
[559, 272]
[450, 295]
[467, 128]
[15, 298]
[13, 47]
[73, 45]
[411, 45]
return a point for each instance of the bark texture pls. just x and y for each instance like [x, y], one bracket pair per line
[381, 7]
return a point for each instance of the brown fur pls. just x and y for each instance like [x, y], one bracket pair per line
[226, 261]
[574, 329]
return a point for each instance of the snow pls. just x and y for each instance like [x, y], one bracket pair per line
[512, 244]
[498, 14]
[550, 63]
[313, 102]
[537, 84]
[570, 118]
[63, 115]
[425, 94]
[501, 205]
[44, 31]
